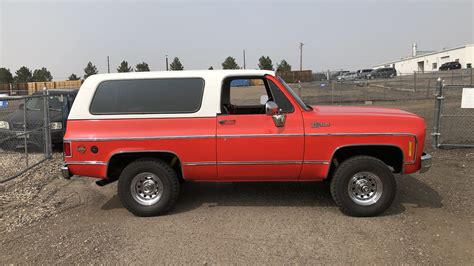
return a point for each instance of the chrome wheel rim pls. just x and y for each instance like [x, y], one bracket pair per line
[146, 188]
[365, 188]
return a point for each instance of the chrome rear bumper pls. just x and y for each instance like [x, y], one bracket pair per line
[65, 172]
[425, 162]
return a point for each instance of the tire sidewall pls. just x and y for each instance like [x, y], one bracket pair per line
[365, 165]
[125, 193]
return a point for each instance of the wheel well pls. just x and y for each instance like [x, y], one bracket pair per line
[390, 155]
[119, 161]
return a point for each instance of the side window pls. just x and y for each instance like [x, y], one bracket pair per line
[148, 96]
[280, 98]
[247, 92]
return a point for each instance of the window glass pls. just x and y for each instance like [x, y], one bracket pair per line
[247, 91]
[280, 98]
[148, 96]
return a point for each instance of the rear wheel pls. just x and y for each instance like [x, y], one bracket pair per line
[148, 187]
[363, 186]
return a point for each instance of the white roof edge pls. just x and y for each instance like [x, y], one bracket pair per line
[180, 74]
[427, 54]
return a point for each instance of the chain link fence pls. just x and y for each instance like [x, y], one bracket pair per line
[453, 124]
[25, 137]
[404, 86]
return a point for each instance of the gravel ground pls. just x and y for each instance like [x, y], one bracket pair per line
[44, 219]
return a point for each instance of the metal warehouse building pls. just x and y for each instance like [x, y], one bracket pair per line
[431, 60]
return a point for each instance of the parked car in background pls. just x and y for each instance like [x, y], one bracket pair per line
[60, 102]
[386, 72]
[450, 66]
[337, 74]
[362, 73]
[348, 76]
[151, 131]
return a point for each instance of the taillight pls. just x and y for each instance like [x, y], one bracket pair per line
[67, 149]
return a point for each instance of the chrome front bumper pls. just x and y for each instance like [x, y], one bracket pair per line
[65, 172]
[425, 162]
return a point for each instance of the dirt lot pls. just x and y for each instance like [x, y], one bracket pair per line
[44, 219]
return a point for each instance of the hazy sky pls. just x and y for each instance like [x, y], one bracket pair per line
[64, 35]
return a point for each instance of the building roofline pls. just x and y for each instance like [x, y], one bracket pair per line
[422, 55]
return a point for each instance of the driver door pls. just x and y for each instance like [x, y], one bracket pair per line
[249, 145]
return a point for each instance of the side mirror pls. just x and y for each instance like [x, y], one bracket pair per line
[21, 106]
[271, 108]
[263, 99]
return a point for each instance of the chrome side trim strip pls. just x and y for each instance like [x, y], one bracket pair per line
[259, 135]
[258, 162]
[360, 134]
[243, 163]
[86, 162]
[199, 163]
[142, 138]
[315, 162]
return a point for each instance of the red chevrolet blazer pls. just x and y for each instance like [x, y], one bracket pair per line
[153, 130]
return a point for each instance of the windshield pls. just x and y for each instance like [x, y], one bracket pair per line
[295, 96]
[36, 104]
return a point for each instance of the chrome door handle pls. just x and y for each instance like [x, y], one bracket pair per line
[222, 122]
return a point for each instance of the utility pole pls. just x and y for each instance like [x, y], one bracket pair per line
[108, 65]
[166, 62]
[301, 56]
[244, 58]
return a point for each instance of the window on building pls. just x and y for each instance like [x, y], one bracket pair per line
[457, 60]
[435, 66]
[468, 65]
[148, 96]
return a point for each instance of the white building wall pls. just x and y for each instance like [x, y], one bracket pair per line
[432, 61]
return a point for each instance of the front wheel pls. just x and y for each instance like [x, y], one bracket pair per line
[148, 187]
[363, 186]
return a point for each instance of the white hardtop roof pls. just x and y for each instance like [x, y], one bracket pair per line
[220, 74]
[210, 101]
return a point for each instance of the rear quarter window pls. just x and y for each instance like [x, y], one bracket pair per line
[148, 96]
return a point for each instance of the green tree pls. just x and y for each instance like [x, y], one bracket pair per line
[210, 68]
[176, 64]
[265, 63]
[229, 63]
[23, 74]
[5, 75]
[90, 70]
[142, 67]
[123, 67]
[41, 75]
[283, 66]
[73, 77]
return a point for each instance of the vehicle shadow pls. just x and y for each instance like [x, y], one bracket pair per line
[286, 194]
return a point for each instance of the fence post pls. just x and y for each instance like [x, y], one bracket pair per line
[437, 113]
[25, 142]
[414, 80]
[471, 74]
[47, 126]
[428, 89]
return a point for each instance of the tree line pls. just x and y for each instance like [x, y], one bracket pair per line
[24, 74]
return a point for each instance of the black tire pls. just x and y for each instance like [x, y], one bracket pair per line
[348, 171]
[166, 175]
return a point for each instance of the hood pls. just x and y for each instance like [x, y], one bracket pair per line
[362, 119]
[360, 111]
